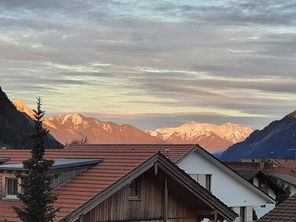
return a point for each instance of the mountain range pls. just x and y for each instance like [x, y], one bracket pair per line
[76, 127]
[211, 136]
[277, 140]
[16, 127]
[71, 128]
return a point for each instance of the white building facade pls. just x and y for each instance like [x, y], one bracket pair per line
[244, 198]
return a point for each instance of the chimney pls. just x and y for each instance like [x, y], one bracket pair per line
[167, 153]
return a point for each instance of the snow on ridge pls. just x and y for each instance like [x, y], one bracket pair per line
[228, 131]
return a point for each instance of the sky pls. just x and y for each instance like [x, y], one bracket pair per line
[152, 63]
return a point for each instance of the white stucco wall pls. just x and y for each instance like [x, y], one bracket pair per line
[224, 186]
[261, 211]
[292, 190]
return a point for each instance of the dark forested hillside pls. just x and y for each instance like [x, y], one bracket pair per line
[16, 128]
[277, 140]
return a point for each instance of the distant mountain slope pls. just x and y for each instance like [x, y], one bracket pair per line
[16, 128]
[67, 128]
[71, 127]
[22, 107]
[277, 140]
[75, 127]
[212, 137]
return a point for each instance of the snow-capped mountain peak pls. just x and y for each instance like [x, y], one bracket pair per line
[69, 127]
[76, 119]
[192, 132]
[74, 127]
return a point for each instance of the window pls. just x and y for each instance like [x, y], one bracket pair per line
[242, 214]
[134, 190]
[204, 180]
[11, 187]
[208, 182]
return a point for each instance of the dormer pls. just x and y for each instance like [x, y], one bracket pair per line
[63, 170]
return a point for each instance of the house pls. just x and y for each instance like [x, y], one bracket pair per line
[273, 163]
[280, 171]
[284, 212]
[286, 180]
[259, 179]
[114, 185]
[235, 191]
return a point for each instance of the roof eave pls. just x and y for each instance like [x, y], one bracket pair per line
[55, 168]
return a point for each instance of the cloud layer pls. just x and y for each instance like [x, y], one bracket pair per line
[152, 63]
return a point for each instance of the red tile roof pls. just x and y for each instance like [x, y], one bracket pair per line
[285, 163]
[119, 160]
[116, 164]
[175, 151]
[284, 212]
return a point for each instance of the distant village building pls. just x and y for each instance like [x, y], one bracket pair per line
[280, 171]
[287, 181]
[247, 200]
[108, 185]
[260, 179]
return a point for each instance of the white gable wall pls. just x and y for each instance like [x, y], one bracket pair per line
[225, 187]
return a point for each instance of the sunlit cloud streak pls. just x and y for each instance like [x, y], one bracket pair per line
[134, 61]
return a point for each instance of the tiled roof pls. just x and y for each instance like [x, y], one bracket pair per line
[175, 152]
[243, 165]
[88, 184]
[284, 212]
[285, 163]
[288, 178]
[247, 174]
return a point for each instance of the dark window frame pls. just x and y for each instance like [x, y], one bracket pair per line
[11, 187]
[242, 214]
[134, 190]
[208, 182]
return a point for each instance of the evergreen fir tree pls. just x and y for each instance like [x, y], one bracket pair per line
[36, 195]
